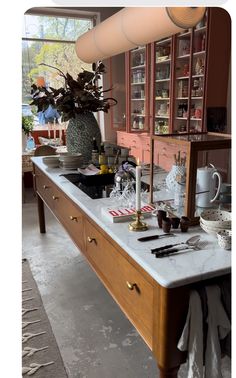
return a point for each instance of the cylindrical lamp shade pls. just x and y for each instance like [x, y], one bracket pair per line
[133, 27]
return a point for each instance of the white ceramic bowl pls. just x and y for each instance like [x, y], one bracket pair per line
[51, 161]
[216, 218]
[213, 230]
[224, 239]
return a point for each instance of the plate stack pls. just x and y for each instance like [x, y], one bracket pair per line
[71, 161]
[213, 221]
[51, 161]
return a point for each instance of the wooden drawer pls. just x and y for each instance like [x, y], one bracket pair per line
[117, 273]
[67, 213]
[71, 218]
[122, 139]
[44, 187]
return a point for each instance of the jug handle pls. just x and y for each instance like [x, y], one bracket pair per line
[219, 185]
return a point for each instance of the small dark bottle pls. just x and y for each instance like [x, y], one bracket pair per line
[95, 152]
[95, 146]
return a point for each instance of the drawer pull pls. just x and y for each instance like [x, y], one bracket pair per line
[45, 187]
[130, 286]
[55, 198]
[90, 240]
[73, 218]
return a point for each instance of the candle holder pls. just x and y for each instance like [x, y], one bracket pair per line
[137, 225]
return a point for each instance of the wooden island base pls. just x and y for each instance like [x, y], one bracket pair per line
[158, 313]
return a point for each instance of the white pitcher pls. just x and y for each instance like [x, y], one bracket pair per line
[206, 182]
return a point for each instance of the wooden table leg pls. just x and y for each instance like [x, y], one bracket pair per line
[41, 215]
[168, 373]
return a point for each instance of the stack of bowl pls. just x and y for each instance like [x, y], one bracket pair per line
[214, 221]
[71, 161]
[51, 161]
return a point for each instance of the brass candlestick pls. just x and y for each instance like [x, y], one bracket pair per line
[137, 225]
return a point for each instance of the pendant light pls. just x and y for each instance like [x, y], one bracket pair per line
[132, 27]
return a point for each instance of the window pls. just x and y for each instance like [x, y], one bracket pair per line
[50, 38]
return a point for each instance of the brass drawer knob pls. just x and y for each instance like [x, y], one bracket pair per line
[55, 198]
[130, 285]
[73, 218]
[90, 240]
[45, 187]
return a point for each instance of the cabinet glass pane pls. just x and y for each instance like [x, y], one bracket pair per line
[182, 72]
[162, 85]
[198, 75]
[138, 88]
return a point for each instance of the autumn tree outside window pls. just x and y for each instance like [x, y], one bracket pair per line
[50, 38]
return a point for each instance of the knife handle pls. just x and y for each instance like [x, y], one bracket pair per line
[146, 238]
[166, 253]
[154, 250]
[153, 237]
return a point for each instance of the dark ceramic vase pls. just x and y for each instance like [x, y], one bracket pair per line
[80, 133]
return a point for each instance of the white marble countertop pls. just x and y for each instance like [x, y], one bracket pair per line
[174, 270]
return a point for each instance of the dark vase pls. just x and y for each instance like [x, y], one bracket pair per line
[80, 133]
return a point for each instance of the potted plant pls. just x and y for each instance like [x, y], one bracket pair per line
[76, 102]
[27, 127]
[27, 124]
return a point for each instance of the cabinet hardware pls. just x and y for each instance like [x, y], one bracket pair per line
[90, 240]
[73, 218]
[55, 198]
[45, 187]
[130, 286]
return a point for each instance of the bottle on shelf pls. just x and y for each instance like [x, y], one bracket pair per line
[30, 143]
[203, 44]
[95, 152]
[135, 124]
[141, 57]
[141, 123]
[180, 110]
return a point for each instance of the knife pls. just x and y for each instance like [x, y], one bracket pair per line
[152, 237]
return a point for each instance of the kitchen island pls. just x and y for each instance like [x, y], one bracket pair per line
[153, 293]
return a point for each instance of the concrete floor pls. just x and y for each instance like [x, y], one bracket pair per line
[94, 337]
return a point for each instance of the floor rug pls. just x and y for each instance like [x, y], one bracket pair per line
[41, 357]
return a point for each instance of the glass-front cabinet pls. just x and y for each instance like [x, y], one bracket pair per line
[180, 68]
[137, 101]
[162, 90]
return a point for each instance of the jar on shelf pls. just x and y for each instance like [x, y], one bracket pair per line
[186, 70]
[185, 90]
[198, 113]
[165, 93]
[180, 110]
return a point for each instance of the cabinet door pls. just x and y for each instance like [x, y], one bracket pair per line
[182, 78]
[189, 73]
[198, 71]
[138, 91]
[162, 87]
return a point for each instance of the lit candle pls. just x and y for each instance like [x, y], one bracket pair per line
[138, 188]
